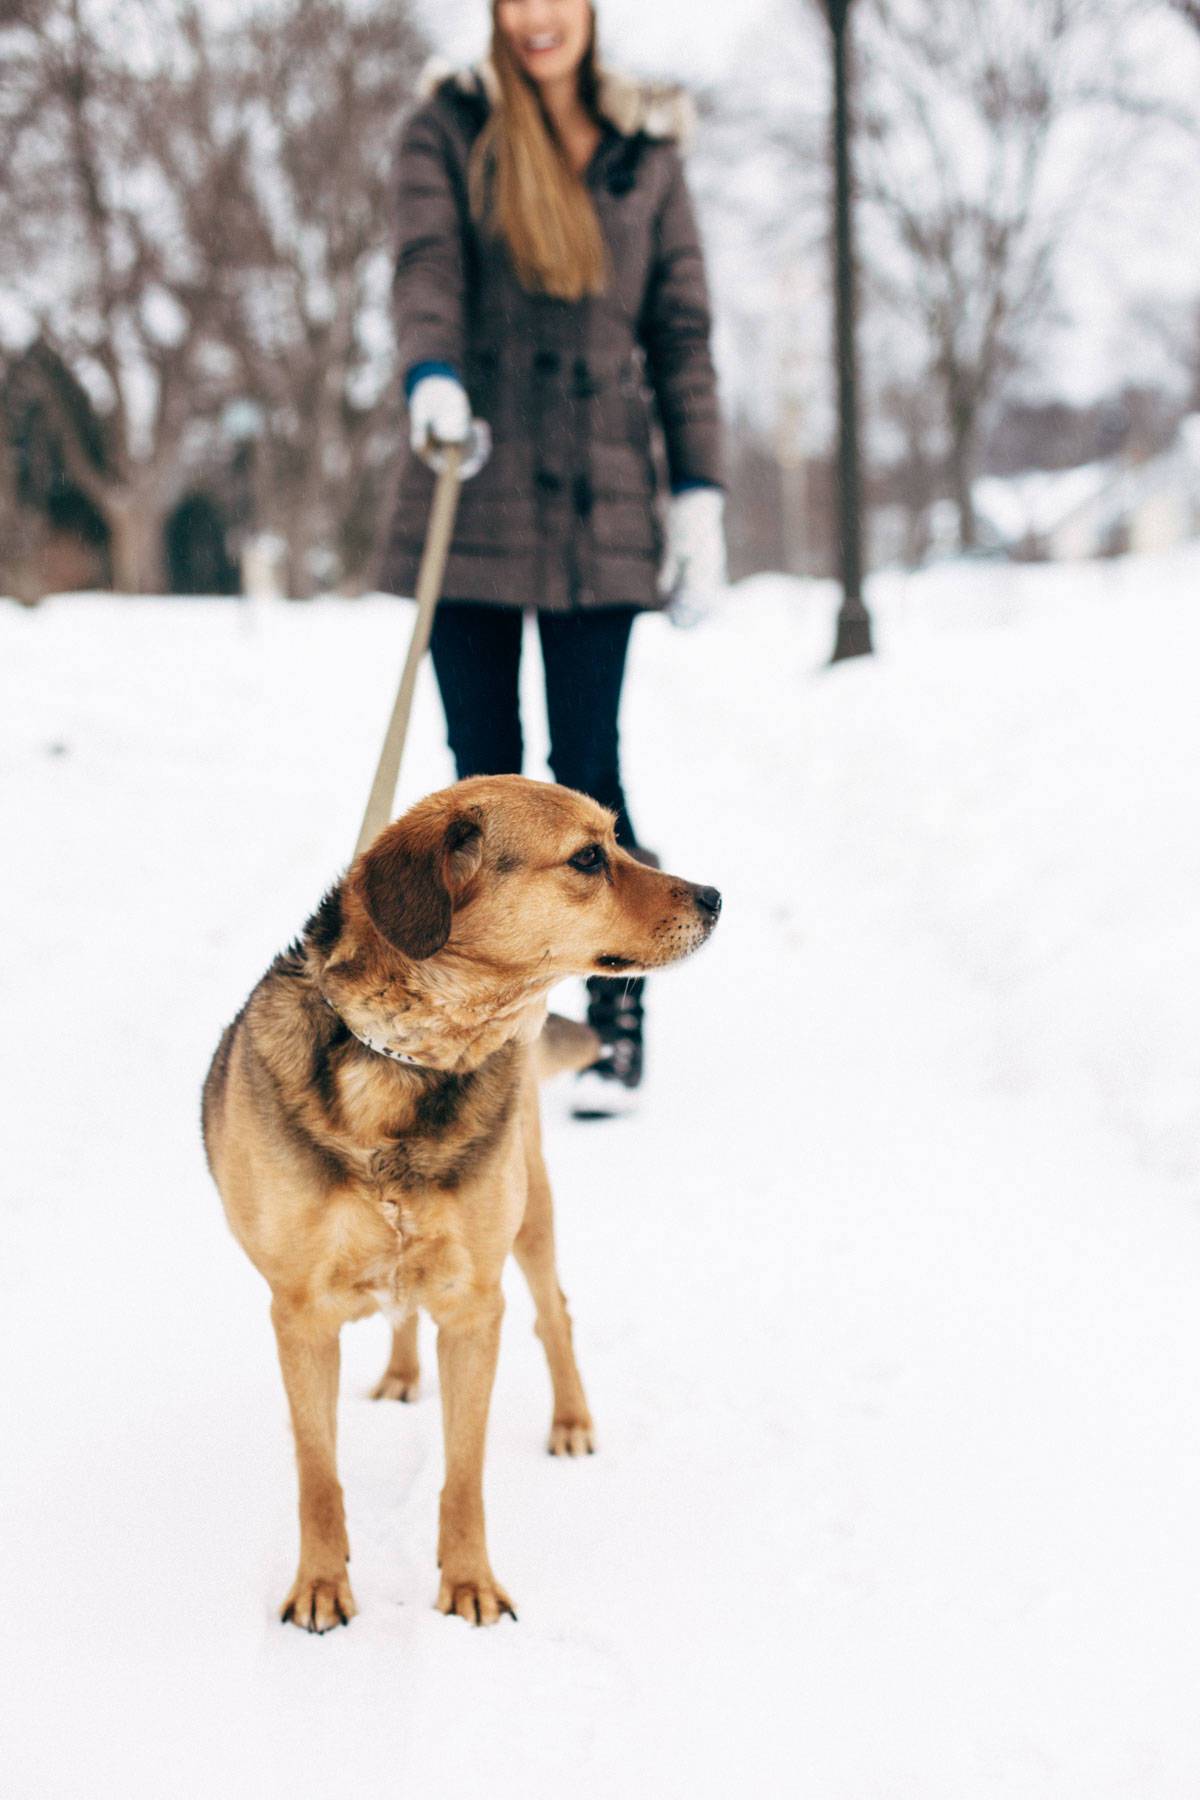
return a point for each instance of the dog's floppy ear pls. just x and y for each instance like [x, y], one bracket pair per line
[412, 876]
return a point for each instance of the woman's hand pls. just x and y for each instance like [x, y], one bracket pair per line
[694, 571]
[439, 413]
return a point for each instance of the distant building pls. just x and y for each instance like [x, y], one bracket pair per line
[53, 539]
[1110, 508]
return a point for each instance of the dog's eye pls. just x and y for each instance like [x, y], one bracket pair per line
[590, 860]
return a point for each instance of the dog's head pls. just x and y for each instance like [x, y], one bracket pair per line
[525, 880]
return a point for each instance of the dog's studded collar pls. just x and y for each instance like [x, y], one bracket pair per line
[370, 1043]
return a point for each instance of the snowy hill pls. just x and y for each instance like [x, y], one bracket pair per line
[888, 1303]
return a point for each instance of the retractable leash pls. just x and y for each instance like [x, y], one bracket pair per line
[429, 588]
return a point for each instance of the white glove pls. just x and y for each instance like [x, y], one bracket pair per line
[440, 413]
[693, 571]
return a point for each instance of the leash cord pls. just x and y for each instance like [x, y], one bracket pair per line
[429, 586]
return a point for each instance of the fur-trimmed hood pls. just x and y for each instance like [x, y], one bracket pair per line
[655, 109]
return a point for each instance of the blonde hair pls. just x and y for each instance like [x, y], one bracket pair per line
[523, 187]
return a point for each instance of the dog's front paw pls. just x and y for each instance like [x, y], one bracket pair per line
[479, 1602]
[572, 1437]
[318, 1603]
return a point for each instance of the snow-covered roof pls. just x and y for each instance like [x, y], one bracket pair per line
[1032, 504]
[1041, 502]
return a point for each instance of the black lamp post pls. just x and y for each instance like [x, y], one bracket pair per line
[854, 621]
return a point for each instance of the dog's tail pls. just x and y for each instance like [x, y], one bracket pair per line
[565, 1044]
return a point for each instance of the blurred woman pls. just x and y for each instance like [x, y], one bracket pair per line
[549, 280]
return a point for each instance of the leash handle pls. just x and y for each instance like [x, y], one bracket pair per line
[429, 586]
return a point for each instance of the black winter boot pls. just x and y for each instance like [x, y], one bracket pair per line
[615, 1013]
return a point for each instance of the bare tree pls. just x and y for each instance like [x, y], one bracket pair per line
[907, 414]
[971, 184]
[108, 280]
[196, 216]
[19, 524]
[305, 310]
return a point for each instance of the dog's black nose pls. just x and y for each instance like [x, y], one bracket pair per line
[708, 900]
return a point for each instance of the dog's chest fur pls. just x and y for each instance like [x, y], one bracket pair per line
[412, 1132]
[400, 1187]
[426, 1151]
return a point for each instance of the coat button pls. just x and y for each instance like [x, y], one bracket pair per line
[547, 362]
[548, 481]
[585, 382]
[581, 493]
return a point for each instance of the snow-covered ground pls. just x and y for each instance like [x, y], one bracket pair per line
[899, 1481]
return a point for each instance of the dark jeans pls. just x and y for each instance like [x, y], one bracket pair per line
[476, 657]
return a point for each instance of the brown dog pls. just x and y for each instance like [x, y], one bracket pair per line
[371, 1121]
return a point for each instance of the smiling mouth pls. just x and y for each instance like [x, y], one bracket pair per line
[537, 46]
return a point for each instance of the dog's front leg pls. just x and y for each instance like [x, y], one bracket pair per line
[310, 1357]
[468, 1345]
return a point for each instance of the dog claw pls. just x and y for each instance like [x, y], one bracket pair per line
[318, 1604]
[572, 1437]
[476, 1603]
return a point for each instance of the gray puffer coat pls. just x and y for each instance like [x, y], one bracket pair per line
[565, 513]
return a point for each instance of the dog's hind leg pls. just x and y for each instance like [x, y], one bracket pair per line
[309, 1355]
[571, 1431]
[399, 1380]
